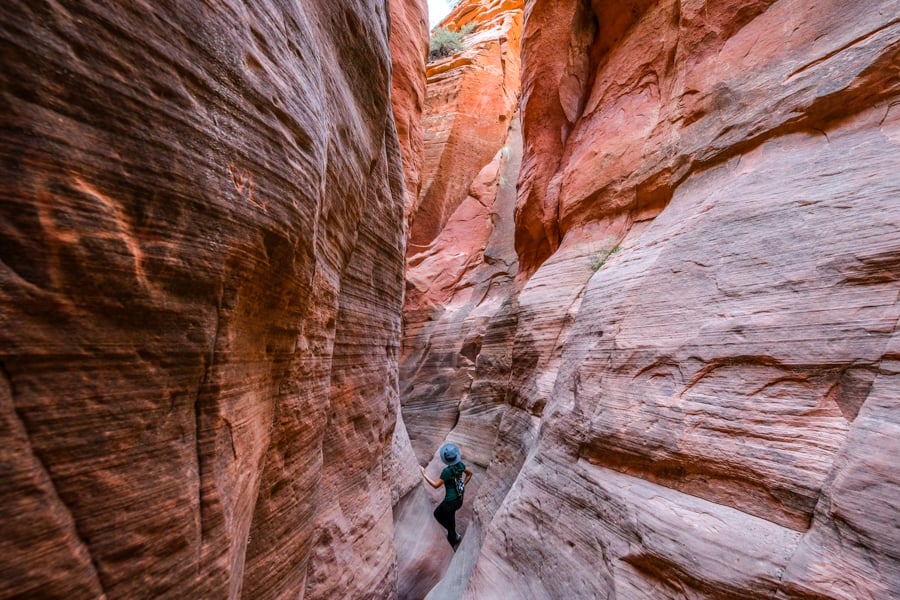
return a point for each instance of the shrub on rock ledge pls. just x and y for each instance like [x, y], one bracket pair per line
[445, 42]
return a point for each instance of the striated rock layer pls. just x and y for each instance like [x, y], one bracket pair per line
[200, 277]
[708, 229]
[470, 99]
[691, 388]
[462, 264]
[718, 425]
[460, 271]
[409, 47]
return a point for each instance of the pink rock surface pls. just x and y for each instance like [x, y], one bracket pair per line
[733, 400]
[716, 81]
[459, 280]
[693, 383]
[201, 277]
[445, 346]
[409, 47]
[707, 331]
[464, 126]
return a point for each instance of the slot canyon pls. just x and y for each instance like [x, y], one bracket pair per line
[639, 260]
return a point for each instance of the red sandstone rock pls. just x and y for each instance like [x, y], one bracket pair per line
[463, 270]
[459, 277]
[758, 431]
[692, 392]
[200, 286]
[464, 126]
[409, 47]
[714, 81]
[707, 326]
[446, 335]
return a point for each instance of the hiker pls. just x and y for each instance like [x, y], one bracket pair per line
[454, 478]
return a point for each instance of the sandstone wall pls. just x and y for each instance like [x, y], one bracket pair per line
[200, 277]
[470, 99]
[463, 268]
[707, 231]
[460, 272]
[409, 48]
[690, 389]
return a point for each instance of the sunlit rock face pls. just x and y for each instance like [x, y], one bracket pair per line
[469, 103]
[460, 275]
[703, 392]
[461, 259]
[200, 277]
[690, 389]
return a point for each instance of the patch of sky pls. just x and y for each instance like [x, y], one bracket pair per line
[437, 10]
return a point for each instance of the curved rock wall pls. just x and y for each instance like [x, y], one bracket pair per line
[202, 256]
[465, 272]
[707, 231]
[470, 100]
[460, 276]
[689, 389]
[464, 269]
[409, 48]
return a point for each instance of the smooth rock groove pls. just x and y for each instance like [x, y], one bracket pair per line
[201, 271]
[690, 390]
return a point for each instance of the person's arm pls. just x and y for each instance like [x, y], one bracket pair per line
[468, 476]
[434, 484]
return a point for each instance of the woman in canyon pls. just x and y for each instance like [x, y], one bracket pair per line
[454, 477]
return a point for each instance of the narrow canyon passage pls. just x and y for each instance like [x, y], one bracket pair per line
[637, 259]
[661, 324]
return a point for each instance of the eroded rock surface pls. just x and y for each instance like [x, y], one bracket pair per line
[202, 256]
[711, 389]
[705, 406]
[409, 47]
[692, 383]
[460, 276]
[469, 103]
[462, 269]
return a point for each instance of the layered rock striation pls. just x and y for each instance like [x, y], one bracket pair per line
[461, 265]
[461, 260]
[409, 48]
[202, 270]
[470, 100]
[691, 384]
[655, 302]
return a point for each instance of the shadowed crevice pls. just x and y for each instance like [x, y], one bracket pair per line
[44, 473]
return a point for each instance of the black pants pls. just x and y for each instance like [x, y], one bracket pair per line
[445, 513]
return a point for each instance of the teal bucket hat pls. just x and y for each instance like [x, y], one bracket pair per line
[449, 454]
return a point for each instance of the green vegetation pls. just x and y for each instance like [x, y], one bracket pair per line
[445, 42]
[599, 259]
